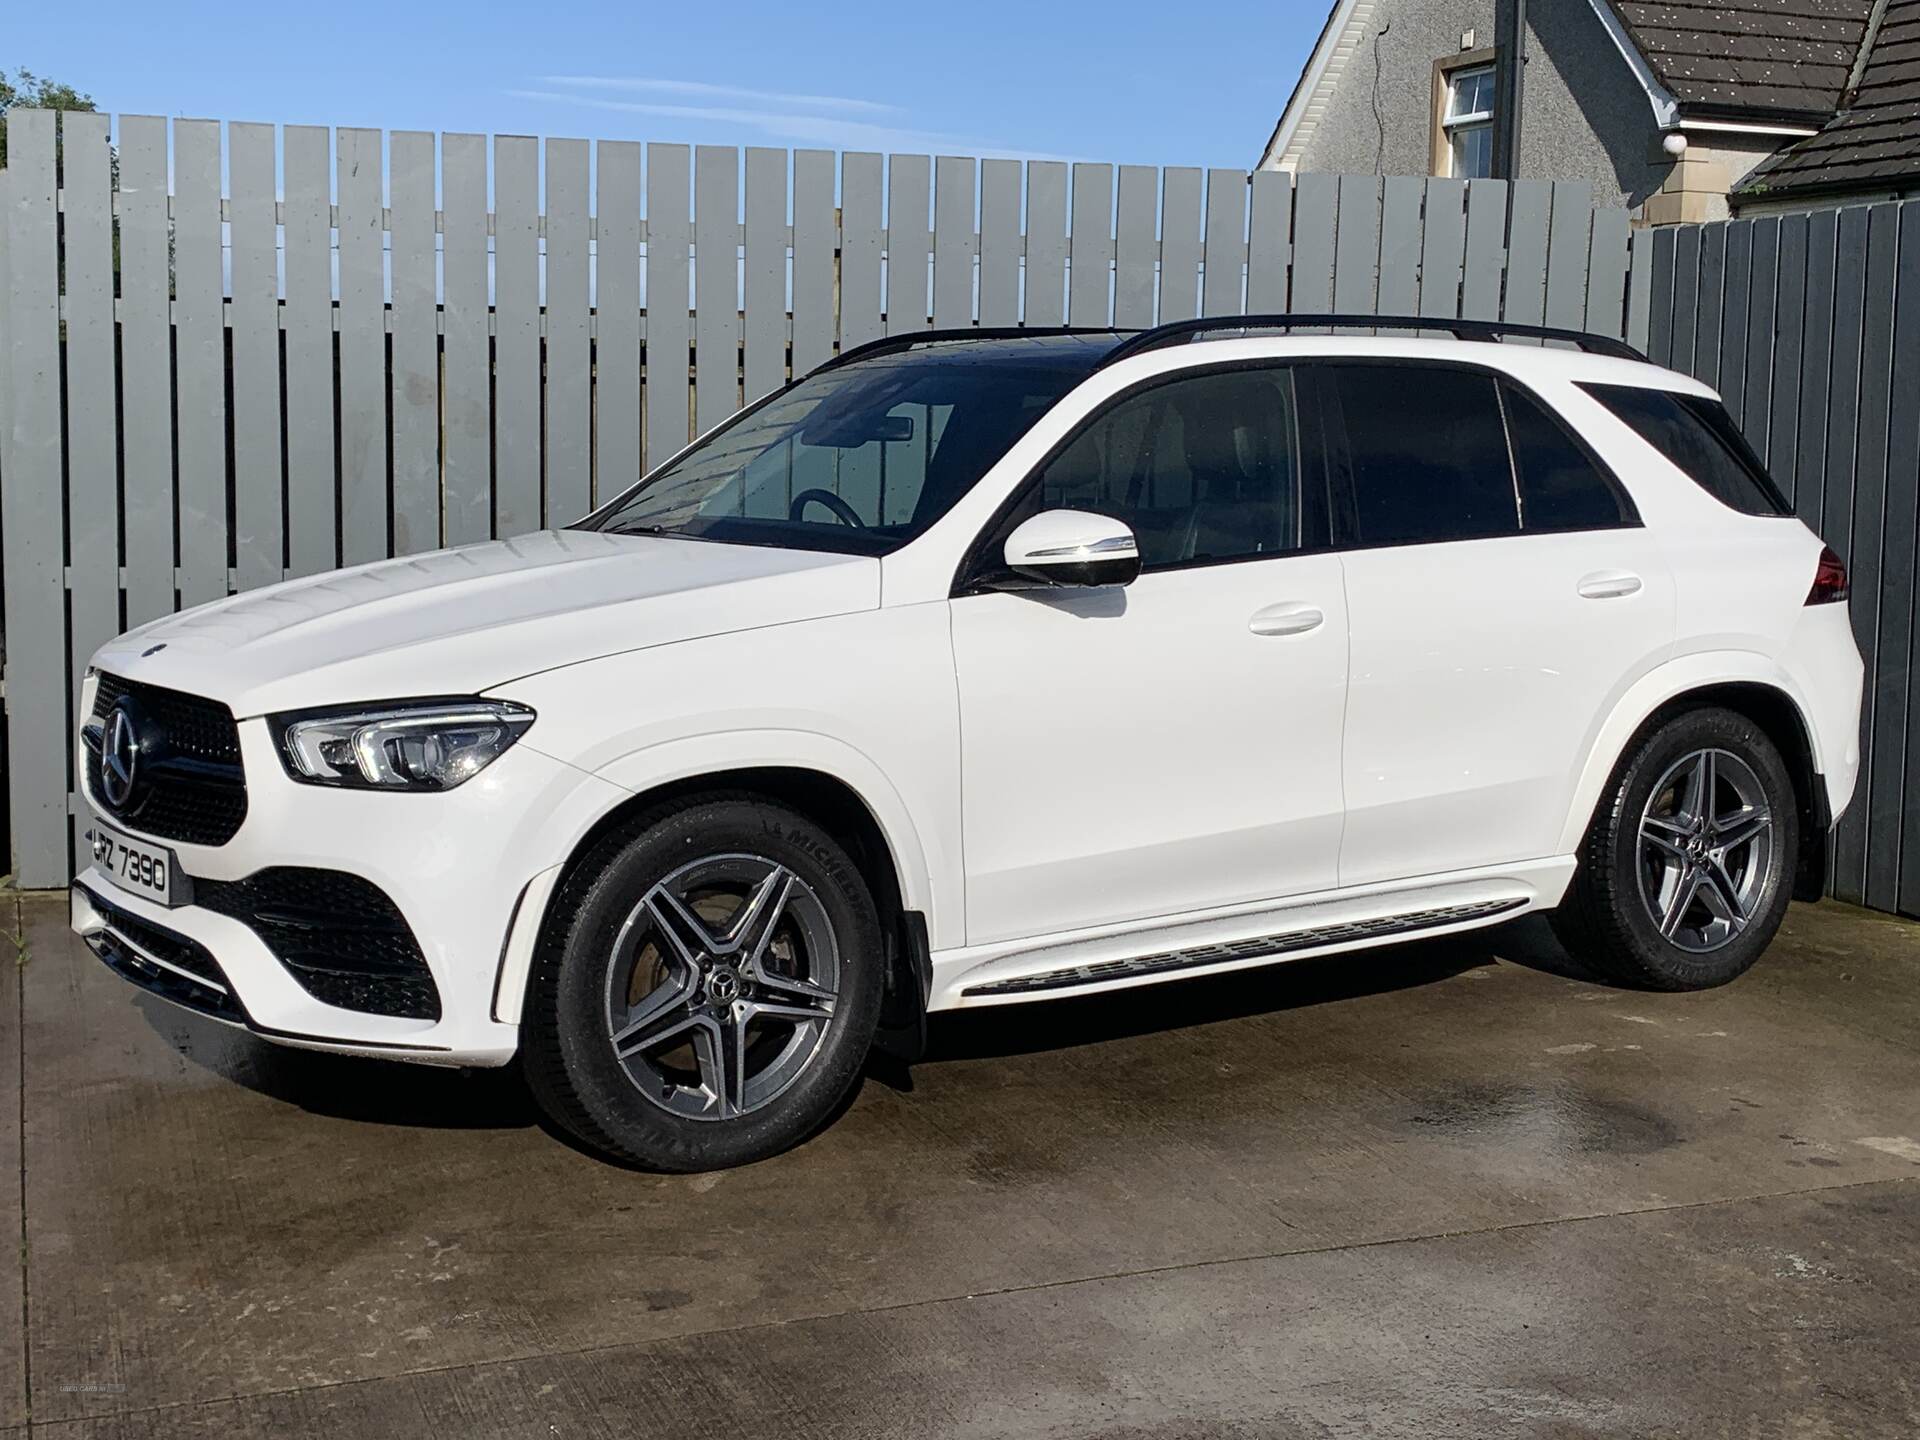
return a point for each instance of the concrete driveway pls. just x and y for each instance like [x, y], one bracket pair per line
[1435, 1190]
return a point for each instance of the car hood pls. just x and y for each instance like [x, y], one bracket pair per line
[457, 622]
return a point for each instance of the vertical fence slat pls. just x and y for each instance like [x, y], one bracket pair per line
[146, 366]
[1789, 310]
[1400, 209]
[308, 318]
[1665, 320]
[93, 489]
[909, 241]
[1640, 285]
[200, 346]
[1568, 253]
[1269, 242]
[1485, 270]
[1316, 207]
[1608, 265]
[668, 299]
[1891, 807]
[568, 408]
[1090, 268]
[30, 502]
[765, 366]
[860, 177]
[616, 298]
[1045, 286]
[1443, 247]
[716, 284]
[953, 245]
[363, 348]
[999, 242]
[414, 390]
[258, 524]
[1529, 228]
[813, 249]
[1136, 246]
[1356, 246]
[1713, 280]
[1757, 409]
[469, 345]
[1221, 291]
[1853, 844]
[1816, 369]
[1686, 298]
[1179, 243]
[1849, 320]
[516, 325]
[1735, 294]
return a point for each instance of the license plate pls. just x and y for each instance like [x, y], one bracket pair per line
[142, 869]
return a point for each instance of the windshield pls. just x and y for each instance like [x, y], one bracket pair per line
[861, 458]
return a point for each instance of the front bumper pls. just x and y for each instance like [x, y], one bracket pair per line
[454, 864]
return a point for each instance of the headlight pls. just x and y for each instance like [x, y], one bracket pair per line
[431, 745]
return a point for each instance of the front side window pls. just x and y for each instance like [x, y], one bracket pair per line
[1467, 122]
[1426, 452]
[1699, 436]
[861, 458]
[1204, 468]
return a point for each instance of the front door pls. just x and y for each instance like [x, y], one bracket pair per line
[1174, 745]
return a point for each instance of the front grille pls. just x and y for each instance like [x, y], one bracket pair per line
[189, 785]
[131, 947]
[340, 936]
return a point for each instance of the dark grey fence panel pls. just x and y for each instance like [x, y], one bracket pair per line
[1811, 324]
[358, 345]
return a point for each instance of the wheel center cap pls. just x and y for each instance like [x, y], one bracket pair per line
[723, 987]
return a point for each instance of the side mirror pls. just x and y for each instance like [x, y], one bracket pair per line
[1073, 547]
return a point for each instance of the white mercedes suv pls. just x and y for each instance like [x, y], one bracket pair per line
[982, 668]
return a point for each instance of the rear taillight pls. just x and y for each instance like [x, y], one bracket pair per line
[1829, 581]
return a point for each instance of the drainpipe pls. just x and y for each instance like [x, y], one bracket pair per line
[1510, 35]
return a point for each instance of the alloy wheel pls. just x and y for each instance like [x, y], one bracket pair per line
[1706, 850]
[721, 987]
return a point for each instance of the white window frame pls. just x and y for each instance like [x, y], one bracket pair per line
[1451, 123]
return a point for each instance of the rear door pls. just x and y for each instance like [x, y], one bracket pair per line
[1501, 594]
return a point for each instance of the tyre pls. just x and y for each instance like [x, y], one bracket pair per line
[1687, 868]
[707, 987]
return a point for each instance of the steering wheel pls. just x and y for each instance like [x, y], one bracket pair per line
[842, 511]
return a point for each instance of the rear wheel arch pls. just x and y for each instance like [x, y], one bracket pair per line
[1781, 718]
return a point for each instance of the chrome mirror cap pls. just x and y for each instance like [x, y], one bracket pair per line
[1073, 547]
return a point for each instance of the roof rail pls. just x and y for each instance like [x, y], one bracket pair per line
[1183, 330]
[908, 339]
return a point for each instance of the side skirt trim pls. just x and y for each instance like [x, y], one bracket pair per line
[1260, 947]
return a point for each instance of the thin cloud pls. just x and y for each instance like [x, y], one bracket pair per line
[700, 89]
[829, 131]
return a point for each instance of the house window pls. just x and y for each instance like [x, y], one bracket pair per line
[1467, 122]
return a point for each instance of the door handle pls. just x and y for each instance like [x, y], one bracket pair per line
[1610, 584]
[1291, 617]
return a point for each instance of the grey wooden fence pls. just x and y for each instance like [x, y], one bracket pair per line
[363, 345]
[1809, 325]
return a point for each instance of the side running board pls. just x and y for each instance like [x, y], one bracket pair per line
[1260, 947]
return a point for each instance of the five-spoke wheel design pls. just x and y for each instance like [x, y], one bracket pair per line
[721, 987]
[1706, 849]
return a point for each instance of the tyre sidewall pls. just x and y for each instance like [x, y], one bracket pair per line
[630, 1123]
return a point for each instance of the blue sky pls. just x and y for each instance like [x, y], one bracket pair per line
[1196, 84]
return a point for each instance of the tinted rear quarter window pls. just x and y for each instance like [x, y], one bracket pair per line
[1698, 436]
[1427, 451]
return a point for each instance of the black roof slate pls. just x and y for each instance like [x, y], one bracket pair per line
[1872, 144]
[1762, 59]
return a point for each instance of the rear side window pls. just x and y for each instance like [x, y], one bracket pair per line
[1427, 450]
[1699, 436]
[1562, 487]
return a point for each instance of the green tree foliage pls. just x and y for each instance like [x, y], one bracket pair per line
[23, 87]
